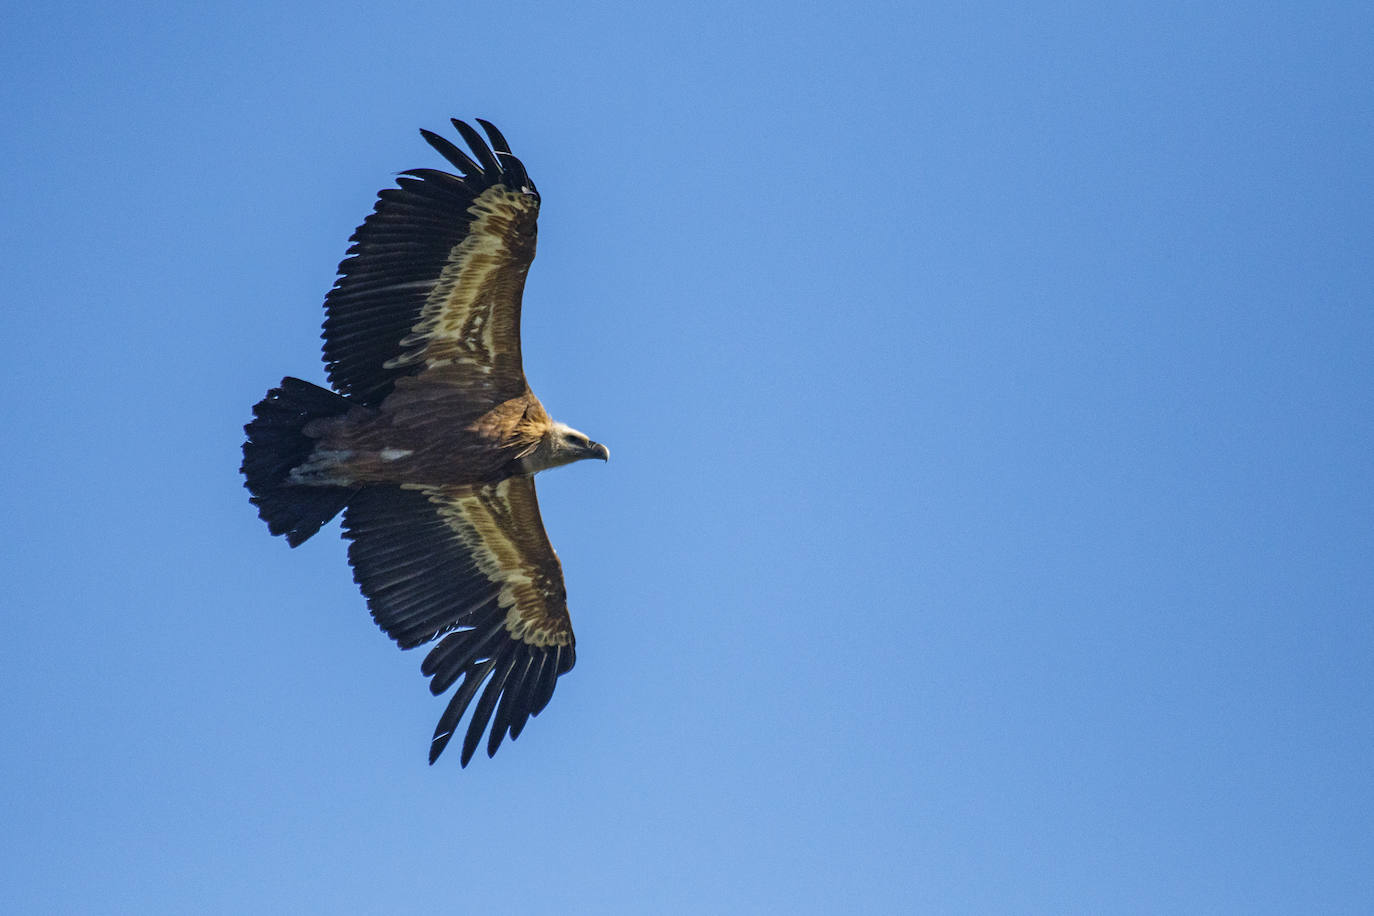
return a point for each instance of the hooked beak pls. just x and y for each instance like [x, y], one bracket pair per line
[597, 450]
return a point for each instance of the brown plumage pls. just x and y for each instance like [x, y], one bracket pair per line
[431, 437]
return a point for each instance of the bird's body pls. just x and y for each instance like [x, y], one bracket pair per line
[427, 437]
[431, 440]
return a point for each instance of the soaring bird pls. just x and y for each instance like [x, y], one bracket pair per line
[430, 439]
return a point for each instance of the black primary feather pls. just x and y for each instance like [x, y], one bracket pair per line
[461, 160]
[490, 167]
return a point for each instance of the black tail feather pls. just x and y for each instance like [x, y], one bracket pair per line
[276, 443]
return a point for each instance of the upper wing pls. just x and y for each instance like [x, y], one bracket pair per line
[471, 564]
[433, 281]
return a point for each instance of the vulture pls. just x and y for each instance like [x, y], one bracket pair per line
[430, 438]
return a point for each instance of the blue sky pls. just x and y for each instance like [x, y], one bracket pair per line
[988, 527]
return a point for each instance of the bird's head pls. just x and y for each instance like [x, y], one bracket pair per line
[560, 445]
[569, 445]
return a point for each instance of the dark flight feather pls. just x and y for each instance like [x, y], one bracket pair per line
[461, 160]
[490, 167]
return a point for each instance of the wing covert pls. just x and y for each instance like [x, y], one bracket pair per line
[471, 567]
[433, 281]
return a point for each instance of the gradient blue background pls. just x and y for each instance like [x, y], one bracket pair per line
[989, 525]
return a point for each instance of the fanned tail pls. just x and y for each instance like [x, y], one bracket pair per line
[276, 444]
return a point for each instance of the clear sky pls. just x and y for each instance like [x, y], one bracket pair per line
[989, 525]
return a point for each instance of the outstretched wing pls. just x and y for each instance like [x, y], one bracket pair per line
[472, 567]
[432, 284]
